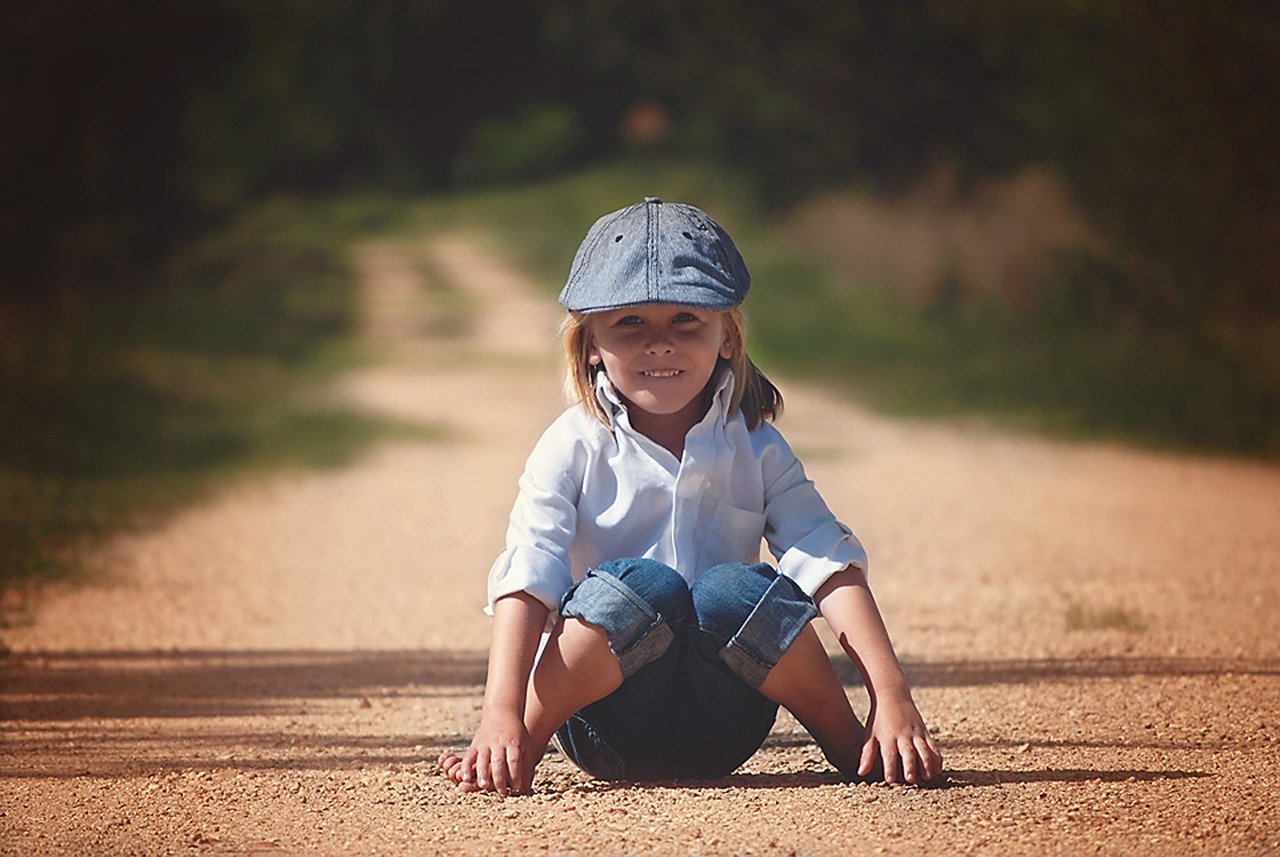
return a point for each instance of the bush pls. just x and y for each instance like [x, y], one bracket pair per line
[529, 144]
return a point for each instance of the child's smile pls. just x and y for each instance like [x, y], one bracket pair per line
[660, 356]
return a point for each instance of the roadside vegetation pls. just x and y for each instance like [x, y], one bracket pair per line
[1080, 616]
[1062, 355]
[121, 406]
[1060, 216]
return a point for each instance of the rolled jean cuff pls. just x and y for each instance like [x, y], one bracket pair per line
[637, 635]
[769, 630]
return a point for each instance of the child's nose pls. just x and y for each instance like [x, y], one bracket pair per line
[658, 343]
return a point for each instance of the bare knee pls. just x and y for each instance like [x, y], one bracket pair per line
[580, 649]
[572, 632]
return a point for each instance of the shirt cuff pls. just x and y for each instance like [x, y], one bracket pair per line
[528, 569]
[830, 548]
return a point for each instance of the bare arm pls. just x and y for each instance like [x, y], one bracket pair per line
[895, 729]
[501, 756]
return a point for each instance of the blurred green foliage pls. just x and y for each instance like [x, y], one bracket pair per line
[1062, 369]
[129, 125]
[117, 408]
[536, 141]
[1161, 117]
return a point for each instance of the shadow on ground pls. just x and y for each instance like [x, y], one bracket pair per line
[120, 685]
[971, 779]
[130, 713]
[970, 673]
[951, 779]
[70, 686]
[125, 713]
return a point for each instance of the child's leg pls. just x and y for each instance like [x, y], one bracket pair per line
[805, 683]
[624, 616]
[619, 619]
[577, 667]
[760, 622]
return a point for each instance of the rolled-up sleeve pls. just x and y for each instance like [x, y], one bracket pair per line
[804, 536]
[543, 522]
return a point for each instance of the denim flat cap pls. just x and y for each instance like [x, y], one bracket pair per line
[656, 252]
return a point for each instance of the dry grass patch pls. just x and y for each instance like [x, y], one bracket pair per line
[1083, 617]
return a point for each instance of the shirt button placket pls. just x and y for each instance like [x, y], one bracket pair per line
[689, 483]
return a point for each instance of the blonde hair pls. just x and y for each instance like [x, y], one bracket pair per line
[753, 393]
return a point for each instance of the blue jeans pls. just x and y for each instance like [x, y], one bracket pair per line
[692, 659]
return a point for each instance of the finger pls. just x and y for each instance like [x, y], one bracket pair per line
[469, 766]
[483, 779]
[517, 769]
[454, 770]
[868, 760]
[930, 763]
[888, 755]
[498, 770]
[910, 761]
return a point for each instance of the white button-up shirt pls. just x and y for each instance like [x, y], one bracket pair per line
[592, 493]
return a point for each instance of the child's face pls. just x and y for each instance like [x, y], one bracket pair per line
[659, 356]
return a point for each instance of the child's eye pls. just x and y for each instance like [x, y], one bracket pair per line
[684, 317]
[629, 320]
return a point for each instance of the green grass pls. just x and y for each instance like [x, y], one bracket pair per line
[1081, 617]
[540, 224]
[1156, 388]
[123, 407]
[1215, 389]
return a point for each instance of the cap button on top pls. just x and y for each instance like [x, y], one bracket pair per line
[652, 199]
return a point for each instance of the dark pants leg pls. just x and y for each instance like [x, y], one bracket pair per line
[643, 607]
[691, 662]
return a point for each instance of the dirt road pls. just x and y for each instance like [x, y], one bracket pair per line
[1093, 634]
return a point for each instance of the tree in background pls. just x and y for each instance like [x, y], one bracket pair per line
[93, 101]
[130, 123]
[803, 93]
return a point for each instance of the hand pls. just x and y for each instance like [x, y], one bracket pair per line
[500, 759]
[896, 731]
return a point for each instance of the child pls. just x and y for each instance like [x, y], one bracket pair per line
[638, 527]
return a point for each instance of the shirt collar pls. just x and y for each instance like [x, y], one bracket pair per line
[611, 400]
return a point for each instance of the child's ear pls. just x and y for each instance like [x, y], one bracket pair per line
[593, 354]
[726, 347]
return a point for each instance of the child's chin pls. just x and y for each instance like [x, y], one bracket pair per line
[659, 407]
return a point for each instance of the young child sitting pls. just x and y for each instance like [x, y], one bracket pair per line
[636, 538]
